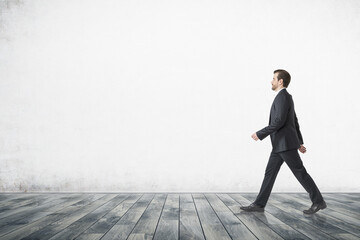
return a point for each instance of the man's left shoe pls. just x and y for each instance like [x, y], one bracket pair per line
[315, 207]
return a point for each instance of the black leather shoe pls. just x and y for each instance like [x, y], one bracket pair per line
[252, 208]
[315, 207]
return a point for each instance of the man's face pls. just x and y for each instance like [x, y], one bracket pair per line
[275, 82]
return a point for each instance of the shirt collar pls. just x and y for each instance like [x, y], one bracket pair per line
[276, 93]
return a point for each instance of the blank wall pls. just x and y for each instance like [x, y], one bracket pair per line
[164, 95]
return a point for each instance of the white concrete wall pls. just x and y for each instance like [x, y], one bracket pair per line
[164, 95]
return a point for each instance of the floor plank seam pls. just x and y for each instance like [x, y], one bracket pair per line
[162, 210]
[218, 217]
[237, 216]
[140, 216]
[197, 213]
[179, 220]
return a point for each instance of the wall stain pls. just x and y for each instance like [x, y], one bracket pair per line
[7, 6]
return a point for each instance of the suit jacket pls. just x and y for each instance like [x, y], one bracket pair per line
[283, 126]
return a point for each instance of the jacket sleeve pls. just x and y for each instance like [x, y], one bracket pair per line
[281, 109]
[298, 130]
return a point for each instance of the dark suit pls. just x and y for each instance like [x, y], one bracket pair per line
[286, 138]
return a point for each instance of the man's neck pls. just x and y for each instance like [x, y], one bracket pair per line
[278, 89]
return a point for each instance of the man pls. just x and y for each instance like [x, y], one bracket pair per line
[286, 139]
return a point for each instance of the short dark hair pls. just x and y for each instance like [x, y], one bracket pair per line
[284, 75]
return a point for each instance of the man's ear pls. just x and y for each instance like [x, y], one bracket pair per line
[281, 81]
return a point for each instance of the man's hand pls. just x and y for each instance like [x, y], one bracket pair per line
[302, 149]
[255, 137]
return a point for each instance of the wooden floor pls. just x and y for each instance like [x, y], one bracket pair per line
[174, 216]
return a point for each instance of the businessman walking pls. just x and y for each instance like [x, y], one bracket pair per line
[286, 140]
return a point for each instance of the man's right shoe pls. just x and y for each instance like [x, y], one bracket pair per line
[252, 208]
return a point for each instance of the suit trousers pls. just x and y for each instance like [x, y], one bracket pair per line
[295, 164]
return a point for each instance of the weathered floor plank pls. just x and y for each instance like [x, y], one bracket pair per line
[32, 213]
[352, 196]
[79, 226]
[321, 220]
[211, 224]
[22, 205]
[168, 226]
[97, 230]
[146, 226]
[43, 222]
[345, 211]
[70, 215]
[166, 216]
[10, 199]
[190, 228]
[235, 228]
[123, 228]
